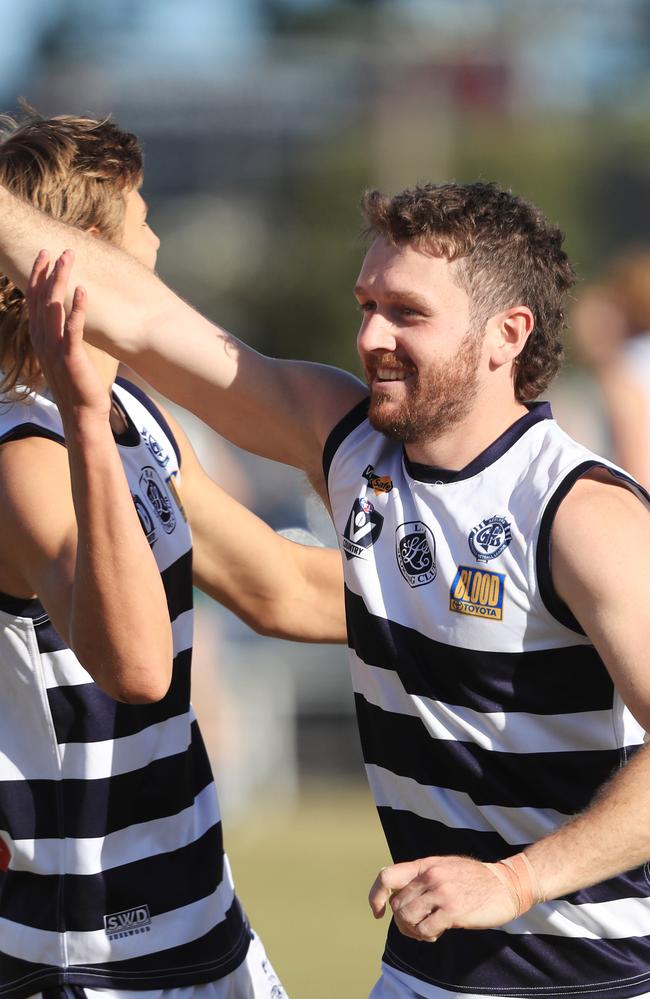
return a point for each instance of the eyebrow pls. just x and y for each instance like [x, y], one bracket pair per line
[409, 297]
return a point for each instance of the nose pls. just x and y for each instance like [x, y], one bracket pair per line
[376, 333]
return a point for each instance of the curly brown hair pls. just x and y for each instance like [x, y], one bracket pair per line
[507, 254]
[77, 170]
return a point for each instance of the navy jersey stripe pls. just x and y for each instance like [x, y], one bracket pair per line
[85, 713]
[24, 430]
[343, 429]
[177, 580]
[534, 682]
[501, 963]
[411, 837]
[31, 899]
[226, 944]
[151, 407]
[29, 809]
[565, 782]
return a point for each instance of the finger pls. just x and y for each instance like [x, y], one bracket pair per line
[74, 326]
[431, 928]
[39, 268]
[59, 276]
[35, 287]
[390, 879]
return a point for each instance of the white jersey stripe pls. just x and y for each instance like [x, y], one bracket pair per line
[62, 670]
[137, 842]
[501, 732]
[457, 810]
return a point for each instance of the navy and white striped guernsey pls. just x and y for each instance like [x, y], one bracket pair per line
[486, 715]
[113, 873]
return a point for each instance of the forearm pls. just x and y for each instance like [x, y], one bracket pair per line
[611, 836]
[118, 620]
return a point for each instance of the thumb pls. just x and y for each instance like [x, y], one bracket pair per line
[390, 879]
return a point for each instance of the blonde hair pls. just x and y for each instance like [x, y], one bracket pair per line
[77, 170]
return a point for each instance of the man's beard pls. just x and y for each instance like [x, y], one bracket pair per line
[438, 400]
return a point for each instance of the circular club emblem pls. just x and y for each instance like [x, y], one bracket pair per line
[490, 539]
[415, 548]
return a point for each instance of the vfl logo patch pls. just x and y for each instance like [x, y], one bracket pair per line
[378, 483]
[155, 492]
[415, 548]
[161, 457]
[362, 529]
[490, 539]
[146, 520]
[478, 593]
[128, 922]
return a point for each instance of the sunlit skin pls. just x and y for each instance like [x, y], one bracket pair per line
[139, 241]
[442, 387]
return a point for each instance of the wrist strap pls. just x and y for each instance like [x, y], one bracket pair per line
[517, 875]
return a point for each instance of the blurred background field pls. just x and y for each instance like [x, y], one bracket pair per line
[304, 877]
[262, 122]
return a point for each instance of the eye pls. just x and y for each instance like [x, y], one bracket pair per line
[367, 306]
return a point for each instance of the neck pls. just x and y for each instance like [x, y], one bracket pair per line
[469, 437]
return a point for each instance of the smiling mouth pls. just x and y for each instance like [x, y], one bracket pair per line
[392, 375]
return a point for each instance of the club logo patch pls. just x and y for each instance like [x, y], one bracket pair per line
[155, 492]
[146, 520]
[362, 529]
[378, 483]
[477, 593]
[415, 548]
[128, 922]
[490, 539]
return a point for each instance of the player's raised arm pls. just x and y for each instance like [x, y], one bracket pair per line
[71, 535]
[280, 409]
[280, 588]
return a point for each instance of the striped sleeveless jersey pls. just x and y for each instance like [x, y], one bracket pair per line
[112, 871]
[486, 715]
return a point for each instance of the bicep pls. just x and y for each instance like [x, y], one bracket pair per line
[600, 553]
[37, 527]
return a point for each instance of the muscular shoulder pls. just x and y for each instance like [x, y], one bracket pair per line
[601, 530]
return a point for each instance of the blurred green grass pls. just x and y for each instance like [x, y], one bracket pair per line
[303, 875]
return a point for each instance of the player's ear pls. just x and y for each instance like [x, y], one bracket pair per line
[94, 231]
[507, 333]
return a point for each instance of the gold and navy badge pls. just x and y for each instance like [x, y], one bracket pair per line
[477, 593]
[378, 483]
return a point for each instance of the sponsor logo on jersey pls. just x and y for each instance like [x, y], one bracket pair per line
[155, 447]
[156, 493]
[173, 488]
[490, 538]
[415, 548]
[362, 529]
[378, 483]
[5, 855]
[128, 923]
[478, 593]
[146, 520]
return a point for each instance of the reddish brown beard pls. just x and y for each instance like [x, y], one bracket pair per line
[437, 400]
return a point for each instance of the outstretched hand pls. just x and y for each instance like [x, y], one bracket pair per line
[435, 894]
[58, 340]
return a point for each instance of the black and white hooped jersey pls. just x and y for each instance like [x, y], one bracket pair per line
[112, 871]
[486, 715]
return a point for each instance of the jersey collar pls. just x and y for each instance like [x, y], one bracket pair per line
[537, 411]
